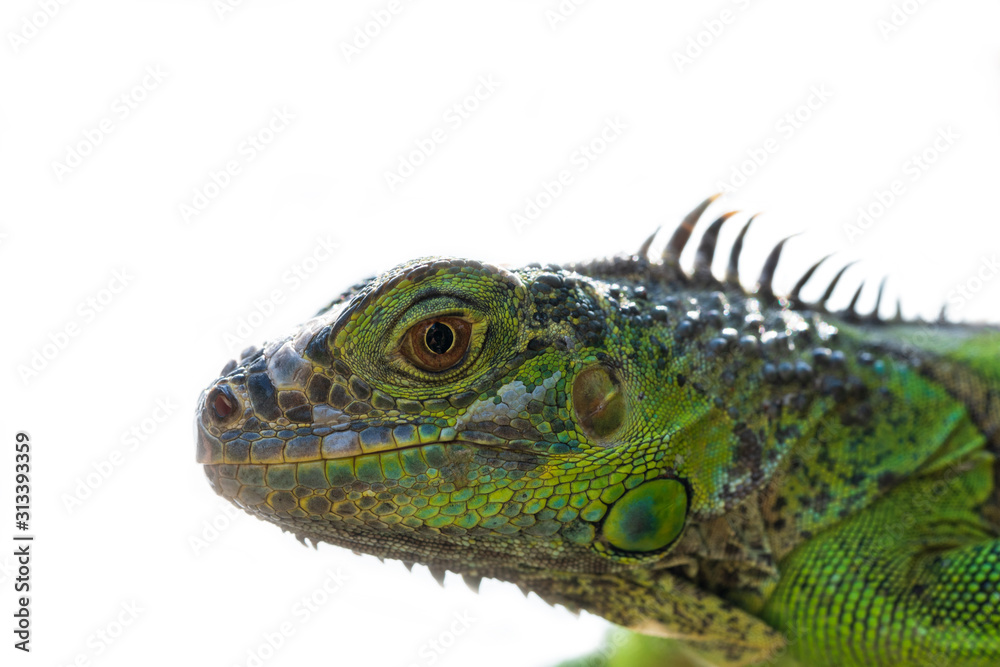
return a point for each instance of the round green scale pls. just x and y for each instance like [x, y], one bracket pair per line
[647, 518]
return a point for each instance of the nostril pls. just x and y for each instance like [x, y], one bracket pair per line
[221, 404]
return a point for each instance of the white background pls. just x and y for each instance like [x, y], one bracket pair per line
[685, 126]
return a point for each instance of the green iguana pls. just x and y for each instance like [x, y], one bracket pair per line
[749, 474]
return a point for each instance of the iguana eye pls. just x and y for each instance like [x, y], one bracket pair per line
[438, 343]
[221, 404]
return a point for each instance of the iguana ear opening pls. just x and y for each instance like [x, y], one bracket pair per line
[598, 402]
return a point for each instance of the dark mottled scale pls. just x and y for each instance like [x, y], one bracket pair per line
[382, 401]
[300, 415]
[855, 387]
[291, 399]
[630, 309]
[717, 346]
[318, 349]
[832, 386]
[714, 318]
[772, 343]
[319, 388]
[803, 371]
[339, 398]
[541, 288]
[821, 356]
[536, 344]
[770, 372]
[550, 279]
[263, 396]
[685, 329]
[436, 404]
[359, 388]
[358, 408]
[749, 344]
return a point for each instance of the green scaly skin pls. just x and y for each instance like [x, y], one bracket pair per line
[754, 476]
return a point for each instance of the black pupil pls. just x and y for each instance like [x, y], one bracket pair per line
[439, 338]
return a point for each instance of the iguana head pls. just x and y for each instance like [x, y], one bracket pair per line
[482, 419]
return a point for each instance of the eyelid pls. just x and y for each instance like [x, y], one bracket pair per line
[408, 319]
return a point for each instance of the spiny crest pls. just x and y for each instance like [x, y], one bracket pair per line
[701, 276]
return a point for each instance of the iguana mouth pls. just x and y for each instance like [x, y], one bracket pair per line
[305, 444]
[290, 445]
[253, 482]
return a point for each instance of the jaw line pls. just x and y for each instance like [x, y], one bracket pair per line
[458, 440]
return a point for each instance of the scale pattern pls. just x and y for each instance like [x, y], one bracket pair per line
[751, 474]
